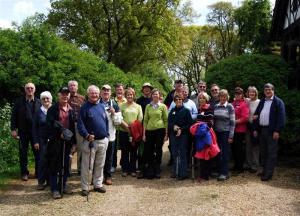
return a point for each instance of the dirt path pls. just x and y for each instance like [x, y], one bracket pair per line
[243, 195]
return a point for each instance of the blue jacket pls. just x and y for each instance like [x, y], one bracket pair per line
[277, 115]
[202, 137]
[93, 120]
[39, 127]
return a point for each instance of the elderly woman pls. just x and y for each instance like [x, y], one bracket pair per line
[59, 118]
[155, 132]
[252, 145]
[205, 114]
[39, 136]
[179, 122]
[241, 110]
[224, 123]
[131, 112]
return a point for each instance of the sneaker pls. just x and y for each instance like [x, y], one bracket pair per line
[222, 178]
[124, 174]
[113, 170]
[41, 187]
[56, 195]
[108, 181]
[24, 177]
[67, 190]
[84, 193]
[100, 190]
[133, 174]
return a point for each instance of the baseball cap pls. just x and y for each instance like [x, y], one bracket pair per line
[64, 89]
[106, 86]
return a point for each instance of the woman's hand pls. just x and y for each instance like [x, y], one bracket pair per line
[230, 140]
[36, 146]
[144, 138]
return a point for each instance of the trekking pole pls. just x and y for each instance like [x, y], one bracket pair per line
[63, 169]
[90, 157]
[193, 163]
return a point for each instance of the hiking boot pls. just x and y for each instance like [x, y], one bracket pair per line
[251, 170]
[41, 186]
[124, 174]
[56, 195]
[173, 175]
[113, 170]
[67, 190]
[133, 174]
[84, 193]
[222, 178]
[100, 190]
[24, 177]
[108, 181]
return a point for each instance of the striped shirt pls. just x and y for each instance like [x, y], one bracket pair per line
[224, 118]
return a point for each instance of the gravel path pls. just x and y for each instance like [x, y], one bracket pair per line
[242, 195]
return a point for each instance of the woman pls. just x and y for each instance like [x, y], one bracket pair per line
[224, 123]
[179, 122]
[205, 114]
[252, 145]
[155, 133]
[241, 119]
[131, 112]
[61, 129]
[39, 136]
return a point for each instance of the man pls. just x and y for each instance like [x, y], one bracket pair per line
[200, 88]
[214, 92]
[76, 100]
[269, 120]
[145, 99]
[177, 89]
[120, 99]
[21, 127]
[93, 127]
[62, 142]
[111, 108]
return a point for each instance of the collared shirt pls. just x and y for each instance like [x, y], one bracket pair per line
[76, 101]
[264, 116]
[64, 115]
[120, 101]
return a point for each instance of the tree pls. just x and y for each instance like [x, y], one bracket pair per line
[221, 17]
[254, 22]
[124, 32]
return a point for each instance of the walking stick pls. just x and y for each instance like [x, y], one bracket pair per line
[63, 169]
[193, 162]
[90, 157]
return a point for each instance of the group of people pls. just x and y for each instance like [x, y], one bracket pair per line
[199, 126]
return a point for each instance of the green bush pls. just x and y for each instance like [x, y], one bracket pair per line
[256, 70]
[9, 154]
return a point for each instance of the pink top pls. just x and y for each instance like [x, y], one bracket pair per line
[241, 115]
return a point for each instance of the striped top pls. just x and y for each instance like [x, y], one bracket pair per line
[224, 118]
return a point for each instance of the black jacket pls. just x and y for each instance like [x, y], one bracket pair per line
[22, 117]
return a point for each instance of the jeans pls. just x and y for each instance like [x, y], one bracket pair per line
[42, 165]
[108, 159]
[179, 152]
[129, 153]
[25, 138]
[223, 156]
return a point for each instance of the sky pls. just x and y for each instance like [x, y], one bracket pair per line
[18, 10]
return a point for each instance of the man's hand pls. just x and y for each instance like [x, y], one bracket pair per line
[230, 140]
[112, 110]
[36, 146]
[166, 138]
[73, 149]
[90, 138]
[178, 132]
[144, 138]
[14, 134]
[275, 135]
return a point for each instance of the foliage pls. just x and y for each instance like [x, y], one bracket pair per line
[254, 22]
[126, 33]
[36, 54]
[9, 154]
[256, 70]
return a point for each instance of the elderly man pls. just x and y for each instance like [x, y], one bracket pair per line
[76, 100]
[177, 90]
[214, 92]
[21, 127]
[200, 88]
[61, 129]
[93, 127]
[269, 120]
[111, 108]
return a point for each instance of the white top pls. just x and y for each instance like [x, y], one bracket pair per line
[265, 112]
[252, 104]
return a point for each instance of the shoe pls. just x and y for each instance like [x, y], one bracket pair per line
[265, 178]
[24, 177]
[140, 175]
[84, 193]
[133, 174]
[181, 178]
[56, 195]
[214, 175]
[100, 190]
[260, 174]
[251, 170]
[79, 173]
[173, 175]
[124, 174]
[108, 181]
[67, 190]
[41, 187]
[200, 180]
[157, 175]
[222, 178]
[113, 170]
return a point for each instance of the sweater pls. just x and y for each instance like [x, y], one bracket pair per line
[190, 105]
[224, 118]
[241, 110]
[131, 113]
[93, 120]
[156, 118]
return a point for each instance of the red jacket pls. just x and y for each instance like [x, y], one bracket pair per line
[241, 110]
[136, 131]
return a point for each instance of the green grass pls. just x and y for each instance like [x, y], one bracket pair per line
[13, 173]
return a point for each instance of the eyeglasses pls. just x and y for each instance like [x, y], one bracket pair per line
[202, 86]
[214, 90]
[29, 88]
[178, 99]
[45, 98]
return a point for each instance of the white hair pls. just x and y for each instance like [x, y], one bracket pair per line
[93, 87]
[205, 95]
[72, 81]
[29, 84]
[46, 94]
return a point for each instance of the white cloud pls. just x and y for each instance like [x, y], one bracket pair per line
[5, 24]
[23, 9]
